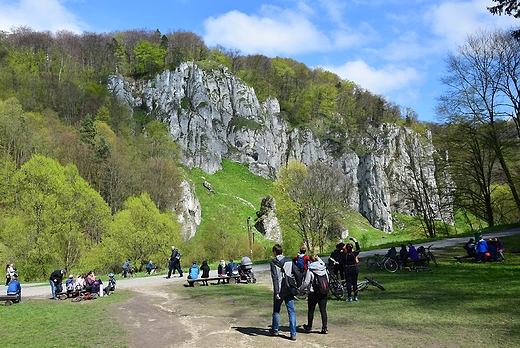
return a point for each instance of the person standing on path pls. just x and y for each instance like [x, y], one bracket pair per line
[281, 292]
[317, 268]
[10, 271]
[349, 262]
[174, 263]
[55, 280]
[126, 267]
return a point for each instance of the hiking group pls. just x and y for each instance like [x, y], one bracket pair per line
[309, 274]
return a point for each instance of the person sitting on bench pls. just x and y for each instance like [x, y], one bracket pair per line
[15, 288]
[470, 248]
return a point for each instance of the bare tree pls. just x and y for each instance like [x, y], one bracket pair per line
[310, 198]
[476, 80]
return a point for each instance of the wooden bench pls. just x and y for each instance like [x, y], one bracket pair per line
[419, 264]
[191, 282]
[68, 294]
[9, 299]
[460, 258]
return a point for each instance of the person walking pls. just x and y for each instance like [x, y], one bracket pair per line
[318, 297]
[349, 262]
[174, 263]
[280, 292]
[56, 282]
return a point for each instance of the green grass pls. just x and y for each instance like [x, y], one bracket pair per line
[42, 323]
[453, 305]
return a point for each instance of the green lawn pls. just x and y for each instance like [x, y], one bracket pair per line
[454, 305]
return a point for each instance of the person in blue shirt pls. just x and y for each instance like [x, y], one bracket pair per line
[111, 286]
[15, 288]
[150, 267]
[194, 271]
[126, 268]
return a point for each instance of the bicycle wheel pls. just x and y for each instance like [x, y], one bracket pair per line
[337, 290]
[374, 283]
[391, 265]
[372, 264]
[432, 257]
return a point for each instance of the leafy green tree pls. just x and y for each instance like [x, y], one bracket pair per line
[140, 232]
[52, 215]
[150, 57]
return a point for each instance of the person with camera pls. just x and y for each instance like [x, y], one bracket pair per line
[349, 261]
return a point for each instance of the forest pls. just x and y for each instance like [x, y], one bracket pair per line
[88, 182]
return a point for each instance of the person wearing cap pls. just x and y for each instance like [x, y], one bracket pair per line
[111, 286]
[55, 280]
[15, 288]
[349, 261]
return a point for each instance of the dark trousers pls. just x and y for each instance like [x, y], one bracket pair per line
[352, 283]
[320, 300]
[174, 265]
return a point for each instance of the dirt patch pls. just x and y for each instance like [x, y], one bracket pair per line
[157, 317]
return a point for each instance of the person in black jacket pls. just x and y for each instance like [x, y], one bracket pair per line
[281, 292]
[56, 282]
[174, 263]
[334, 259]
[349, 261]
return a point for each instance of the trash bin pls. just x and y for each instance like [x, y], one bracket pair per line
[478, 234]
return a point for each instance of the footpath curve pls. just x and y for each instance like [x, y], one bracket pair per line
[42, 290]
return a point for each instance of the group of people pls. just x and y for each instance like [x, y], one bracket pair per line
[308, 272]
[407, 252]
[483, 251]
[83, 283]
[224, 270]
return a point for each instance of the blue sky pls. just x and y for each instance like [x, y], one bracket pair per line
[395, 48]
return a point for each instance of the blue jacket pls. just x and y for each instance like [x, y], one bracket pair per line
[482, 246]
[126, 265]
[14, 287]
[194, 271]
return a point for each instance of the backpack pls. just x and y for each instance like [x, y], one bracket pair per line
[320, 284]
[300, 263]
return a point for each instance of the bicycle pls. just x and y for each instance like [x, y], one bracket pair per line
[385, 262]
[425, 253]
[336, 289]
[362, 285]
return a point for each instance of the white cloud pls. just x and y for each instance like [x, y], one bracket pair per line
[38, 15]
[455, 20]
[275, 32]
[379, 81]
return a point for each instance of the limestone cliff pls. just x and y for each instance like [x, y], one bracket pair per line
[214, 115]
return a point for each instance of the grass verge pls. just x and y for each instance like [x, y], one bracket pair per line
[43, 323]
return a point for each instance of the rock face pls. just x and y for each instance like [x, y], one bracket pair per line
[214, 115]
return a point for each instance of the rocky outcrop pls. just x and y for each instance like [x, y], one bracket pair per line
[214, 115]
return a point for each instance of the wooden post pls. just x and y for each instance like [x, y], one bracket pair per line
[250, 233]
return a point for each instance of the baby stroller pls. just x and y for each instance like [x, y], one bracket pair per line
[246, 270]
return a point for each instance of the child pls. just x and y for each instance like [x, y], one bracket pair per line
[80, 282]
[205, 272]
[69, 284]
[111, 286]
[194, 271]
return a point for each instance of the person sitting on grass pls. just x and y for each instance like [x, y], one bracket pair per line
[14, 288]
[194, 271]
[470, 249]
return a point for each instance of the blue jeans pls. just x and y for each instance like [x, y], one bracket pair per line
[288, 298]
[53, 289]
